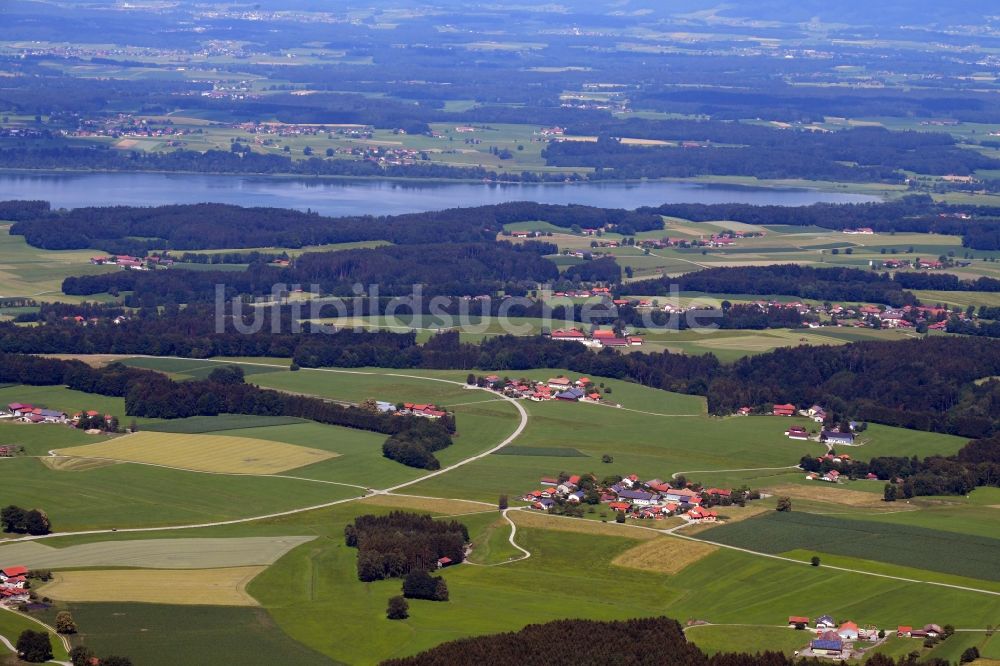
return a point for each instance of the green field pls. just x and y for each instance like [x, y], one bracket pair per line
[33, 272]
[230, 422]
[67, 400]
[713, 639]
[159, 634]
[125, 495]
[914, 547]
[572, 570]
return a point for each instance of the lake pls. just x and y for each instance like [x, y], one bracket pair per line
[377, 197]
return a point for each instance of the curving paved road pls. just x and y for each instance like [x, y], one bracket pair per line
[369, 491]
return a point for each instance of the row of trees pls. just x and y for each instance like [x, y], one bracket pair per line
[393, 545]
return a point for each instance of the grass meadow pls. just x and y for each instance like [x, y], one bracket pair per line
[571, 570]
[124, 495]
[162, 635]
[915, 547]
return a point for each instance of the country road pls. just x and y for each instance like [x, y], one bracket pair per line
[522, 424]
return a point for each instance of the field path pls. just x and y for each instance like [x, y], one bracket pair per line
[62, 639]
[513, 533]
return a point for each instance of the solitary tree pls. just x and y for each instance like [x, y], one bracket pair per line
[784, 504]
[81, 655]
[970, 655]
[399, 608]
[814, 560]
[607, 458]
[619, 517]
[65, 623]
[503, 503]
[34, 646]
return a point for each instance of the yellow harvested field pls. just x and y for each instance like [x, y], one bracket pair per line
[433, 504]
[664, 555]
[832, 494]
[195, 587]
[546, 522]
[202, 453]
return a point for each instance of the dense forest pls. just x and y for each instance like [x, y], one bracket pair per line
[738, 149]
[392, 545]
[137, 230]
[446, 269]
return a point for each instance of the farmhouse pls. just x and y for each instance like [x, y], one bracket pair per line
[571, 395]
[825, 622]
[701, 515]
[797, 432]
[638, 497]
[572, 334]
[827, 647]
[817, 413]
[836, 437]
[833, 476]
[682, 495]
[783, 410]
[848, 631]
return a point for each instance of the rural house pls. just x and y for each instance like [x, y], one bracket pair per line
[837, 437]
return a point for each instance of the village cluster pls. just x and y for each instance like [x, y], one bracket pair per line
[631, 498]
[125, 125]
[129, 262]
[598, 338]
[845, 639]
[555, 388]
[26, 413]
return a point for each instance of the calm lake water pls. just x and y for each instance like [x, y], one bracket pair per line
[352, 197]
